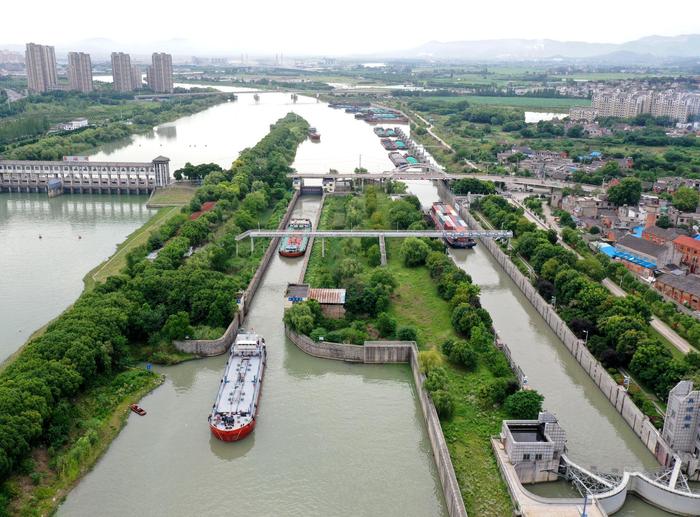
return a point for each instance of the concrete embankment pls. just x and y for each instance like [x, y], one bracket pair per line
[615, 393]
[378, 352]
[210, 347]
[310, 246]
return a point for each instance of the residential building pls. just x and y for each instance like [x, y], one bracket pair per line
[161, 73]
[41, 68]
[80, 72]
[136, 78]
[74, 124]
[681, 425]
[121, 72]
[583, 113]
[685, 289]
[689, 250]
[676, 105]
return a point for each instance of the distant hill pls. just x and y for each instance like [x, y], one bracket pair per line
[685, 46]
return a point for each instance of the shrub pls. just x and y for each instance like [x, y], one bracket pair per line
[386, 325]
[436, 379]
[463, 354]
[429, 359]
[444, 404]
[407, 334]
[318, 333]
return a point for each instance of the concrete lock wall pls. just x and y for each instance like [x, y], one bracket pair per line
[376, 352]
[310, 246]
[615, 393]
[210, 347]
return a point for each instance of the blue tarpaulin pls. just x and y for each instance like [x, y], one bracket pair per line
[613, 252]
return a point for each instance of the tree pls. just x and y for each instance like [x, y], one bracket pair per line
[627, 192]
[462, 353]
[650, 363]
[177, 326]
[685, 199]
[402, 214]
[663, 222]
[575, 131]
[300, 318]
[524, 404]
[374, 255]
[414, 251]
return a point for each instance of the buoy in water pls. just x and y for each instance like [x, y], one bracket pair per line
[40, 236]
[80, 237]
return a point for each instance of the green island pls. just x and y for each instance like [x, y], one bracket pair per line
[112, 116]
[421, 295]
[64, 396]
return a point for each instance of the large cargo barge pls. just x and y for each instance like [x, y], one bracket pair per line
[388, 144]
[234, 413]
[446, 218]
[295, 245]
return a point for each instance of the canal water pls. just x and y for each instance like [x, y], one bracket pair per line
[47, 246]
[332, 438]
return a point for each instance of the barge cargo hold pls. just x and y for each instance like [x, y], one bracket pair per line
[398, 159]
[295, 245]
[389, 145]
[446, 218]
[233, 416]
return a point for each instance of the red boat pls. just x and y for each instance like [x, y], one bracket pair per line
[314, 135]
[295, 245]
[137, 409]
[447, 219]
[234, 413]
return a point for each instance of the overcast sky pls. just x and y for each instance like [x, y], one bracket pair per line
[335, 28]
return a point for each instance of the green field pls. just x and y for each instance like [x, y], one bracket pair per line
[535, 103]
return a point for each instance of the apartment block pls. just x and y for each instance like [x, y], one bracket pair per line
[676, 105]
[136, 78]
[160, 76]
[121, 72]
[41, 68]
[80, 72]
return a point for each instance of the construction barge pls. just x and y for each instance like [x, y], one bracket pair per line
[234, 413]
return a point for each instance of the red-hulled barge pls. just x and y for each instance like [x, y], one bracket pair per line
[234, 413]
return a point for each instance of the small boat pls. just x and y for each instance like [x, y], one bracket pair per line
[137, 409]
[256, 97]
[314, 135]
[295, 245]
[233, 416]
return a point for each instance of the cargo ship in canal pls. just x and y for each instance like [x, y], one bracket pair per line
[314, 135]
[295, 245]
[446, 218]
[233, 416]
[398, 159]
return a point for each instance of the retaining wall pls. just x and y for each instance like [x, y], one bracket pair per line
[374, 352]
[310, 246]
[615, 393]
[210, 347]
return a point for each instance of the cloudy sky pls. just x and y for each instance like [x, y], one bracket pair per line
[336, 28]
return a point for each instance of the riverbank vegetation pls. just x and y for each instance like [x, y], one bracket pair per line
[191, 281]
[112, 116]
[435, 303]
[616, 330]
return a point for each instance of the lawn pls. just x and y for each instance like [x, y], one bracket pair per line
[172, 195]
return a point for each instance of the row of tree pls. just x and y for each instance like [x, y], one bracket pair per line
[151, 300]
[616, 329]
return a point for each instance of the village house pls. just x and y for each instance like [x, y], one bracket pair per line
[651, 255]
[661, 235]
[689, 251]
[332, 301]
[684, 289]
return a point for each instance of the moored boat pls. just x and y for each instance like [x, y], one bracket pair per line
[234, 413]
[388, 144]
[137, 409]
[446, 218]
[397, 159]
[295, 245]
[314, 135]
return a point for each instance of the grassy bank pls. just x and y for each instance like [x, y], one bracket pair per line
[117, 262]
[177, 194]
[97, 418]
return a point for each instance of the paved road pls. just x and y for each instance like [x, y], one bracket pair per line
[658, 325]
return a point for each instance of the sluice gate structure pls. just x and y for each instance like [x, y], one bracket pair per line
[83, 176]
